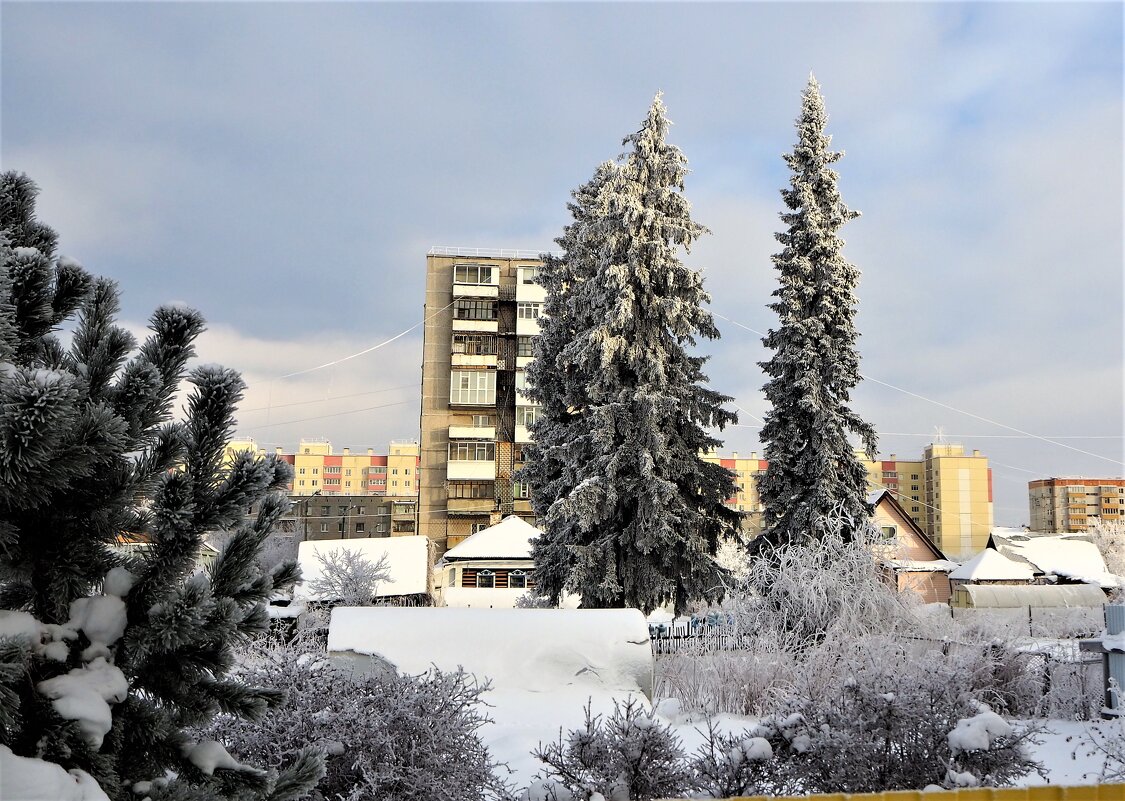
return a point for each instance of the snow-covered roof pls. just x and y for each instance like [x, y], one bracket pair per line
[990, 565]
[921, 566]
[1038, 595]
[408, 559]
[508, 539]
[1066, 555]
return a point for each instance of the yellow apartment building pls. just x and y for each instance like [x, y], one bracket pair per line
[1068, 505]
[482, 316]
[946, 492]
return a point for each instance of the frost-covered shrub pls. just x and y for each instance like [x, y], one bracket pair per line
[629, 755]
[728, 765]
[349, 578]
[883, 720]
[387, 737]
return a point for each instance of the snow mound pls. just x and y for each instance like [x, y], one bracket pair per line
[25, 779]
[978, 732]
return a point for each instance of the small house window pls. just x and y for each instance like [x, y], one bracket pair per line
[517, 580]
[889, 532]
[486, 579]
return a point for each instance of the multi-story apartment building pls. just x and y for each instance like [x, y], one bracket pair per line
[1070, 505]
[318, 470]
[346, 494]
[946, 492]
[482, 310]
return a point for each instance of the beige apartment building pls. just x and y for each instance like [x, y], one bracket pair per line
[946, 492]
[1069, 505]
[481, 317]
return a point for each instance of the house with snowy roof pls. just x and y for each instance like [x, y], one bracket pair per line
[908, 558]
[489, 569]
[1056, 558]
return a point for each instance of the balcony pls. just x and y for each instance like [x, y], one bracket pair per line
[522, 434]
[472, 360]
[475, 290]
[472, 432]
[476, 325]
[470, 470]
[480, 505]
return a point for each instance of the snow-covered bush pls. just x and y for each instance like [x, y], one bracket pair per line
[387, 737]
[1109, 536]
[880, 717]
[728, 765]
[348, 577]
[628, 756]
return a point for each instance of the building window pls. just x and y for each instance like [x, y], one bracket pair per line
[471, 489]
[913, 487]
[527, 415]
[406, 483]
[472, 274]
[525, 346]
[482, 421]
[914, 477]
[521, 490]
[332, 470]
[348, 472]
[890, 474]
[359, 528]
[517, 580]
[301, 471]
[474, 344]
[475, 527]
[472, 451]
[915, 509]
[888, 532]
[517, 454]
[406, 471]
[394, 471]
[361, 510]
[449, 578]
[314, 482]
[301, 482]
[472, 387]
[528, 310]
[315, 471]
[529, 275]
[323, 527]
[486, 579]
[466, 309]
[394, 483]
[331, 482]
[325, 510]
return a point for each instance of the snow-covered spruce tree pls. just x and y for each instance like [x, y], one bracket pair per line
[813, 475]
[637, 515]
[552, 457]
[106, 659]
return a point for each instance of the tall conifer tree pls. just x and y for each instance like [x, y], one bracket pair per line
[634, 516]
[106, 660]
[814, 482]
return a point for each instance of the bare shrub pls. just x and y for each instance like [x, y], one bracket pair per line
[349, 578]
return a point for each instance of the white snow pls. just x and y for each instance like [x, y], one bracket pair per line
[102, 618]
[26, 779]
[1069, 556]
[481, 597]
[209, 756]
[84, 695]
[978, 732]
[990, 565]
[545, 664]
[509, 539]
[408, 560]
[20, 625]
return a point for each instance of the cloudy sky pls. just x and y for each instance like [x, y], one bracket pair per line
[285, 167]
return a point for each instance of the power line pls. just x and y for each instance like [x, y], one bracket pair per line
[954, 408]
[325, 400]
[337, 414]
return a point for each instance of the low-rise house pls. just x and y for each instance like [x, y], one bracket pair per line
[489, 569]
[1056, 558]
[910, 560]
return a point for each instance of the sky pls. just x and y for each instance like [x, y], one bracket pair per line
[284, 168]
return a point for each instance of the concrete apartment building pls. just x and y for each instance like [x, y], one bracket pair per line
[946, 492]
[342, 495]
[1068, 505]
[481, 311]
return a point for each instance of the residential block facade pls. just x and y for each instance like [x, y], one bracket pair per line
[481, 318]
[946, 492]
[1069, 505]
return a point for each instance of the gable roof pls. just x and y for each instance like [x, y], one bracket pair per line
[885, 496]
[509, 539]
[408, 559]
[990, 565]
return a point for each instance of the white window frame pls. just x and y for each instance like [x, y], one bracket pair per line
[472, 387]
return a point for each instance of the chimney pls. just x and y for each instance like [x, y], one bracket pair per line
[893, 458]
[976, 452]
[370, 451]
[734, 455]
[277, 450]
[347, 451]
[753, 454]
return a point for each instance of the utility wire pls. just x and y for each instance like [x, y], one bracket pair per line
[954, 408]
